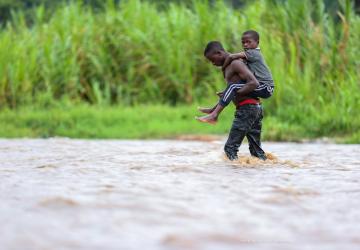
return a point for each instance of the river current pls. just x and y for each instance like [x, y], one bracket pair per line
[177, 194]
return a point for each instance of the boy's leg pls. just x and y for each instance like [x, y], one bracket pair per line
[254, 138]
[262, 91]
[212, 117]
[207, 110]
[230, 92]
[210, 110]
[226, 98]
[244, 119]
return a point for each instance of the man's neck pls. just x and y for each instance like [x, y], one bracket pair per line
[227, 54]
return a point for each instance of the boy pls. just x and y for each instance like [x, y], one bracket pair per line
[256, 63]
[248, 115]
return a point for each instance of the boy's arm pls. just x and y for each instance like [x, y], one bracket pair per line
[252, 55]
[240, 55]
[245, 74]
[232, 57]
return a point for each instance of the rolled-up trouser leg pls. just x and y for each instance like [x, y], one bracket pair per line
[244, 119]
[254, 138]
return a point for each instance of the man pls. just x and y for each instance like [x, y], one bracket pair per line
[248, 115]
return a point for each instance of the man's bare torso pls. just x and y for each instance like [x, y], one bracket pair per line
[232, 77]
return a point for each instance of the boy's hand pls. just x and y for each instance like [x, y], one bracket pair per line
[228, 60]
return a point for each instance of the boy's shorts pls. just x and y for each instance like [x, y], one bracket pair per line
[262, 91]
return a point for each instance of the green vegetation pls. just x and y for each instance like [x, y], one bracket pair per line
[135, 54]
[150, 121]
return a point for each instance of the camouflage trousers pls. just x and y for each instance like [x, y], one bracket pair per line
[247, 122]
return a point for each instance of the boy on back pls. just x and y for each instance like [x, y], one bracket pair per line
[256, 63]
[249, 113]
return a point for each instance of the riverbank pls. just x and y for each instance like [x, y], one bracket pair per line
[151, 121]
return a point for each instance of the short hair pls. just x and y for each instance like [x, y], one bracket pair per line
[254, 35]
[213, 45]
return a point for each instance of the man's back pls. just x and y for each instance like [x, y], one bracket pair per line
[231, 74]
[235, 73]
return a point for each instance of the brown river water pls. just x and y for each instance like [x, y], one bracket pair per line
[175, 194]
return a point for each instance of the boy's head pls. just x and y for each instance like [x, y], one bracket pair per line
[215, 53]
[250, 39]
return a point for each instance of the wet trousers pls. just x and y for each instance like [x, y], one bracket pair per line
[247, 122]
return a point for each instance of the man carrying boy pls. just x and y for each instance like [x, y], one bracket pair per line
[256, 63]
[248, 115]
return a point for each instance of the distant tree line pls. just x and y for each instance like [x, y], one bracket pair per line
[7, 6]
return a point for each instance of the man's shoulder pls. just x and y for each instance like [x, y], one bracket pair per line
[238, 63]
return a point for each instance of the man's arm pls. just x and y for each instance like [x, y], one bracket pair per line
[245, 74]
[232, 57]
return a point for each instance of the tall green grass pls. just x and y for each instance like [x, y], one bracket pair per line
[136, 53]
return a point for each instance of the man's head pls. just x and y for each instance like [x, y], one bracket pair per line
[215, 53]
[250, 39]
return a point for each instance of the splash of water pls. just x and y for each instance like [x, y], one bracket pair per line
[271, 161]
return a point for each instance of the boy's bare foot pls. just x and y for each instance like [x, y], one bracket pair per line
[206, 110]
[207, 119]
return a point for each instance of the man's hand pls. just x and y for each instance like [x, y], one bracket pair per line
[220, 94]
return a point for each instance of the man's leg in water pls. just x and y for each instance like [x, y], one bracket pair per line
[244, 120]
[254, 138]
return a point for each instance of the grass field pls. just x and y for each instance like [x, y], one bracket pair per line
[143, 122]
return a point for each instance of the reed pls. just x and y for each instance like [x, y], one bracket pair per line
[136, 53]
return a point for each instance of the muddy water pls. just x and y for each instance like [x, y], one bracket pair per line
[112, 194]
